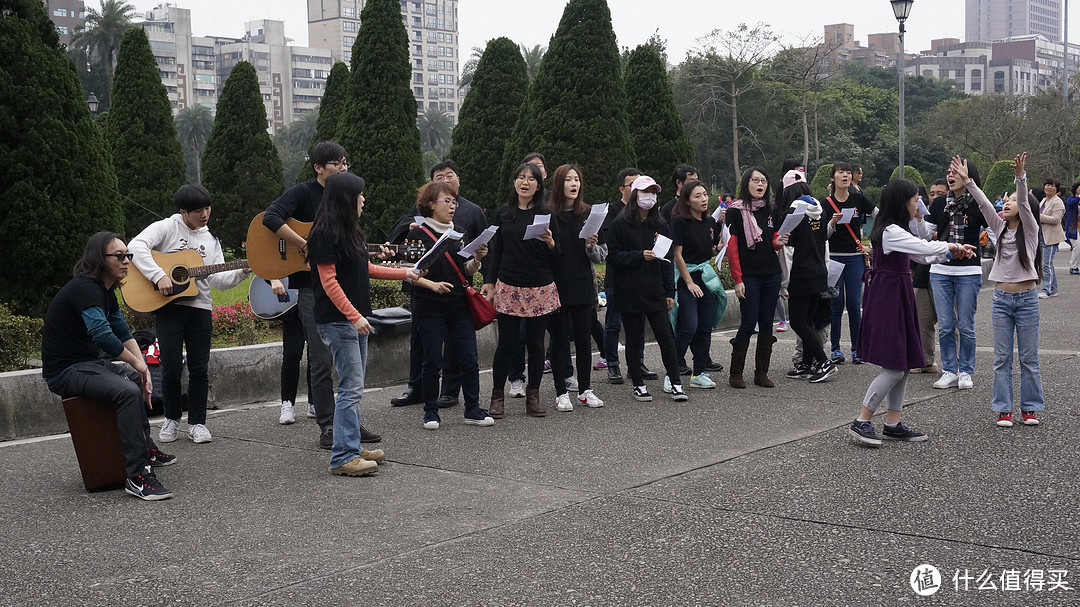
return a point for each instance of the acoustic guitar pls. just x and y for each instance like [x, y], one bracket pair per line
[268, 305]
[182, 267]
[273, 257]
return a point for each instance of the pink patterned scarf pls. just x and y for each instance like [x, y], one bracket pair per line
[750, 227]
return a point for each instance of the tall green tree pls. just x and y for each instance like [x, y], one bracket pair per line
[193, 126]
[486, 121]
[241, 167]
[142, 135]
[468, 69]
[533, 57]
[576, 108]
[57, 185]
[657, 129]
[378, 127]
[435, 129]
[331, 107]
[100, 37]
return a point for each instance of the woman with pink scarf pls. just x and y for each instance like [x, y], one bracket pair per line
[753, 220]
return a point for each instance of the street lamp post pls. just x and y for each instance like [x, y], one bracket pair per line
[92, 103]
[901, 10]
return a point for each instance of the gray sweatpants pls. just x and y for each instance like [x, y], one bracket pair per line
[891, 384]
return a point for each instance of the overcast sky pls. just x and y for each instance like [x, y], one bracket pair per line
[680, 22]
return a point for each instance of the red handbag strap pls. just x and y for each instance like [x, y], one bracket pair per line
[858, 243]
[448, 258]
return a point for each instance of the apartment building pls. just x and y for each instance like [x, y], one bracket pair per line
[432, 26]
[990, 20]
[67, 15]
[1021, 64]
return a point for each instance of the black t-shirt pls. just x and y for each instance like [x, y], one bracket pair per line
[974, 222]
[841, 241]
[762, 259]
[352, 275]
[516, 261]
[300, 202]
[665, 211]
[809, 272]
[64, 339]
[429, 304]
[573, 269]
[696, 237]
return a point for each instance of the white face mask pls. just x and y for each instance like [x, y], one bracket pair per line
[646, 200]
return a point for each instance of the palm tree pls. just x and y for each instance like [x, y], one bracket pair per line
[469, 68]
[100, 34]
[193, 126]
[532, 57]
[435, 129]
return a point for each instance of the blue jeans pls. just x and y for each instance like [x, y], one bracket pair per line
[955, 298]
[612, 325]
[850, 285]
[759, 305]
[448, 341]
[695, 326]
[1016, 313]
[1050, 285]
[349, 351]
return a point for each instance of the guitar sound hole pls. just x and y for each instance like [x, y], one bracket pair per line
[180, 274]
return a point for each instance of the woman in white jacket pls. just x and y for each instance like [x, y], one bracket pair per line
[184, 321]
[1050, 213]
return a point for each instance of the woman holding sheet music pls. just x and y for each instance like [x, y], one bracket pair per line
[442, 319]
[574, 277]
[523, 277]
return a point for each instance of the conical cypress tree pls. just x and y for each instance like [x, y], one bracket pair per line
[656, 128]
[487, 117]
[331, 108]
[576, 108]
[241, 167]
[57, 185]
[378, 128]
[142, 135]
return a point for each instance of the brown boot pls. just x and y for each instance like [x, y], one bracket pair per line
[738, 361]
[495, 409]
[532, 403]
[762, 358]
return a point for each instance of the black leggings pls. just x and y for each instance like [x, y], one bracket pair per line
[802, 310]
[634, 323]
[509, 327]
[577, 321]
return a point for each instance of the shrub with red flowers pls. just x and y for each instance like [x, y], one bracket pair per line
[237, 325]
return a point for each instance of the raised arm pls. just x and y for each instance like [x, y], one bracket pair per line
[989, 213]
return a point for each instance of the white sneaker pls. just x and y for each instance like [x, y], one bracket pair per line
[667, 384]
[963, 381]
[167, 434]
[948, 380]
[311, 410]
[589, 399]
[563, 403]
[571, 384]
[199, 434]
[288, 415]
[517, 389]
[1043, 295]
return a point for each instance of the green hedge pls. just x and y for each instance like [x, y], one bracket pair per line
[20, 340]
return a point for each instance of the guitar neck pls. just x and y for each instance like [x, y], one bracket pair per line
[202, 271]
[375, 248]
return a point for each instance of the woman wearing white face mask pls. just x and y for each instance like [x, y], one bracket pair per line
[644, 283]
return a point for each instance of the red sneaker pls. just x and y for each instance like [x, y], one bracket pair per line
[1029, 418]
[1004, 420]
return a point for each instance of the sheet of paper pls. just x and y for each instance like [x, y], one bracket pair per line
[846, 215]
[442, 245]
[800, 208]
[725, 236]
[790, 222]
[539, 226]
[662, 246]
[719, 211]
[922, 207]
[481, 240]
[595, 220]
[418, 220]
[836, 268]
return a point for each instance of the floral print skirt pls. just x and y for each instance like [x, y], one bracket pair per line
[526, 302]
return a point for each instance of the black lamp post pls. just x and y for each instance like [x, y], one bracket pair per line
[901, 10]
[92, 102]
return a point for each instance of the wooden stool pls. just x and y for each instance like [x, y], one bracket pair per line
[97, 442]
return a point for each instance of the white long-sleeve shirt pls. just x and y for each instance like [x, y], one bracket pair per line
[171, 235]
[895, 239]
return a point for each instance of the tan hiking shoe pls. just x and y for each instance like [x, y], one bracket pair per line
[373, 455]
[357, 466]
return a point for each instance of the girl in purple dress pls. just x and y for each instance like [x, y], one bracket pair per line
[889, 336]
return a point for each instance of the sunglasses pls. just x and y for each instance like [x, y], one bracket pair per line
[121, 256]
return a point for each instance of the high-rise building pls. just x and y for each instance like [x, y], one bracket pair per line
[433, 44]
[990, 20]
[67, 15]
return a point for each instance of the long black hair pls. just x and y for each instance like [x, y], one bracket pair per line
[744, 187]
[682, 206]
[336, 220]
[652, 220]
[509, 210]
[1021, 240]
[893, 208]
[92, 262]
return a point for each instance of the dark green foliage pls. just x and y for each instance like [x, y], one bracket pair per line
[576, 108]
[486, 120]
[293, 143]
[820, 183]
[142, 135]
[1001, 180]
[657, 130]
[378, 127]
[57, 185]
[240, 166]
[19, 340]
[910, 173]
[332, 106]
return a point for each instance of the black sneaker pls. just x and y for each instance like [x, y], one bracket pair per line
[367, 436]
[614, 376]
[641, 394]
[326, 439]
[822, 371]
[800, 371]
[684, 369]
[864, 433]
[713, 367]
[838, 356]
[446, 401]
[677, 394]
[146, 486]
[903, 432]
[411, 396]
[855, 358]
[648, 374]
[159, 458]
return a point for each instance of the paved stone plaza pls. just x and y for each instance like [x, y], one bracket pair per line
[749, 497]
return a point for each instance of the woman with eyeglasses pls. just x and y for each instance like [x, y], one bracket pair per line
[522, 274]
[442, 317]
[754, 219]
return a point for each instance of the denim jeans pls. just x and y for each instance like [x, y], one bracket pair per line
[448, 342]
[1050, 284]
[1016, 313]
[349, 352]
[695, 326]
[612, 325]
[759, 305]
[320, 381]
[955, 298]
[850, 285]
[176, 327]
